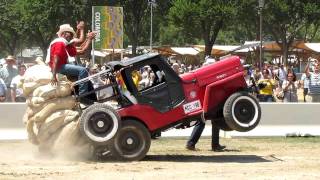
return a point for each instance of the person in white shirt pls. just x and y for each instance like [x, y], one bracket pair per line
[3, 90]
[281, 74]
[16, 92]
[7, 73]
[306, 82]
[314, 87]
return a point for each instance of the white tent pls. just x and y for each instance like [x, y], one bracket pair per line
[224, 48]
[313, 46]
[186, 50]
[99, 53]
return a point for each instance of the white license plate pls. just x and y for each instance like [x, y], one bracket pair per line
[192, 106]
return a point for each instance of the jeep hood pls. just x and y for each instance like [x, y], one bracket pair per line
[214, 72]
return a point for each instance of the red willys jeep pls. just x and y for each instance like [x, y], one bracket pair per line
[125, 112]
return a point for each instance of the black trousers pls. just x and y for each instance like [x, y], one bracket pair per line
[305, 92]
[197, 131]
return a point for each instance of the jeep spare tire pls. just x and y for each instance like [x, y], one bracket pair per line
[99, 123]
[242, 111]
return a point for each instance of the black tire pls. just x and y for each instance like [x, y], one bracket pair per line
[132, 143]
[99, 123]
[242, 111]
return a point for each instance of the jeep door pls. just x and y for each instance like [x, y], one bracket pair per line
[159, 86]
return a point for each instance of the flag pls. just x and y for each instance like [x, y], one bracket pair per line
[108, 23]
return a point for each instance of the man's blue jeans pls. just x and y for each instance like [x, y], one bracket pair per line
[78, 71]
[196, 133]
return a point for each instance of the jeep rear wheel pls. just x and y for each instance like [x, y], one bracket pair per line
[99, 123]
[242, 112]
[132, 142]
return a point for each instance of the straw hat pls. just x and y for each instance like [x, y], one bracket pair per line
[175, 65]
[65, 28]
[10, 58]
[39, 61]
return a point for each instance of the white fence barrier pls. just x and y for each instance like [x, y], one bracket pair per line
[278, 119]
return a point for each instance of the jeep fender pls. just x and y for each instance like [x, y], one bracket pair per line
[217, 92]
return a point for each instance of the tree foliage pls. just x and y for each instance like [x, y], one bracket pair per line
[175, 22]
[11, 30]
[135, 12]
[202, 18]
[284, 20]
[41, 19]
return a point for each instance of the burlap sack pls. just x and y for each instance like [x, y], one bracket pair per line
[36, 104]
[67, 142]
[71, 144]
[68, 136]
[51, 123]
[45, 147]
[54, 122]
[25, 118]
[34, 77]
[30, 86]
[35, 101]
[31, 134]
[31, 111]
[49, 92]
[53, 106]
[38, 74]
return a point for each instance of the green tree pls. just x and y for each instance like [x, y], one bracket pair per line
[246, 25]
[159, 22]
[135, 13]
[284, 19]
[41, 19]
[311, 29]
[11, 27]
[202, 18]
[172, 35]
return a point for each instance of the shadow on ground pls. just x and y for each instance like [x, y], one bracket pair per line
[208, 159]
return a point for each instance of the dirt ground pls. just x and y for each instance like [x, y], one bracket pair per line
[245, 158]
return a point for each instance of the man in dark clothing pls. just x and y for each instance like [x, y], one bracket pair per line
[196, 133]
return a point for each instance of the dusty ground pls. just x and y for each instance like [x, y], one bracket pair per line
[246, 158]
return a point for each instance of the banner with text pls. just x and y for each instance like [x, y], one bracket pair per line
[108, 23]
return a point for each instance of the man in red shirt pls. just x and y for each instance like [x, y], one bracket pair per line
[61, 49]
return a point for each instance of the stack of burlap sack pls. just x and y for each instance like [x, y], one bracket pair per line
[52, 114]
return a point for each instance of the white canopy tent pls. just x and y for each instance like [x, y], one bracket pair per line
[313, 46]
[105, 52]
[186, 50]
[224, 49]
[99, 53]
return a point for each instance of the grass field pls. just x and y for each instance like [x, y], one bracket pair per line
[245, 158]
[177, 145]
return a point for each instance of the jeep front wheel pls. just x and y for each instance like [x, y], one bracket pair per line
[242, 111]
[99, 123]
[132, 142]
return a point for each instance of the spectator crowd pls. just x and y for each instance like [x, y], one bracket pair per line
[274, 83]
[277, 83]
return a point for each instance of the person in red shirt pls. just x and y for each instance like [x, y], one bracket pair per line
[60, 50]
